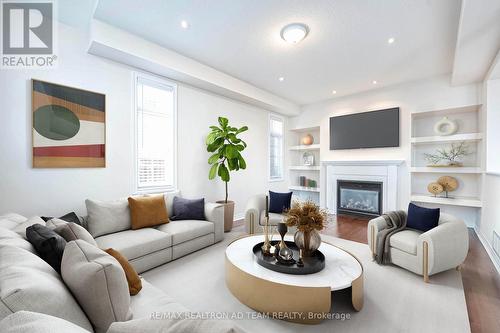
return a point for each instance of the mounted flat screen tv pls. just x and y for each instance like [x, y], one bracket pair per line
[374, 129]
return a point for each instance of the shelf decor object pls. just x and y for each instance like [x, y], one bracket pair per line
[308, 218]
[308, 158]
[435, 188]
[448, 183]
[283, 253]
[452, 156]
[445, 127]
[307, 140]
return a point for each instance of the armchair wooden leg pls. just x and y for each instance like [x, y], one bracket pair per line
[372, 236]
[252, 225]
[458, 268]
[425, 261]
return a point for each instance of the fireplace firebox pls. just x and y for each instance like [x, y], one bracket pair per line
[359, 198]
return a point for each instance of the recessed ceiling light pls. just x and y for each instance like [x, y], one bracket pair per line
[334, 92]
[184, 24]
[281, 79]
[294, 32]
[391, 40]
[374, 82]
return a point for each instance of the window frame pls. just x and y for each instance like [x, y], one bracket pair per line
[159, 81]
[273, 116]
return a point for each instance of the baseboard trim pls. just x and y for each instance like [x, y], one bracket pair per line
[238, 217]
[493, 257]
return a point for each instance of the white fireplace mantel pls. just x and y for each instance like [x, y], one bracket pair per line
[384, 171]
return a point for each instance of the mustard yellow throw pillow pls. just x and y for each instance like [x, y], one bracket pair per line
[133, 279]
[147, 211]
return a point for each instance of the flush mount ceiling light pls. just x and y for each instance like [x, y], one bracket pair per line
[184, 24]
[294, 32]
[281, 79]
[334, 92]
[391, 40]
[374, 82]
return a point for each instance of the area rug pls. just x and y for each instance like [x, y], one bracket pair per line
[395, 299]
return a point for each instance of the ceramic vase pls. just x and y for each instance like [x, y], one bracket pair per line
[307, 241]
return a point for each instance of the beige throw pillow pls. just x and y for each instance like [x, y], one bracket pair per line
[72, 231]
[98, 283]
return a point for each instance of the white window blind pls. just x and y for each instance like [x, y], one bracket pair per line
[275, 148]
[155, 112]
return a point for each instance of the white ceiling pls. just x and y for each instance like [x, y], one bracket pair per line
[345, 51]
[478, 40]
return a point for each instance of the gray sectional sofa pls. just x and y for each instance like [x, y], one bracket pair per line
[150, 247]
[30, 289]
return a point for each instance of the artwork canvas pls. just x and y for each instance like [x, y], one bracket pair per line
[69, 127]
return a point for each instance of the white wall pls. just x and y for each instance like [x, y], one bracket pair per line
[492, 88]
[57, 191]
[490, 217]
[430, 94]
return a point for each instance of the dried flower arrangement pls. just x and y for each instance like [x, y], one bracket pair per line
[306, 216]
[452, 156]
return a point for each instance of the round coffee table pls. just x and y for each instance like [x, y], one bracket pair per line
[297, 298]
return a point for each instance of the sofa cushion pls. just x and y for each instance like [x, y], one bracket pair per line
[152, 299]
[72, 231]
[9, 237]
[98, 282]
[106, 217]
[421, 218]
[29, 322]
[133, 279]
[278, 202]
[29, 283]
[405, 240]
[48, 244]
[11, 220]
[188, 209]
[147, 211]
[185, 230]
[21, 227]
[135, 243]
[274, 218]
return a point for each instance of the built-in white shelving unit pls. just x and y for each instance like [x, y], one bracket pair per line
[305, 167]
[447, 139]
[304, 188]
[466, 200]
[456, 170]
[297, 166]
[303, 147]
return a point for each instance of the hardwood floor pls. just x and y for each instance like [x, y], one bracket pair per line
[480, 279]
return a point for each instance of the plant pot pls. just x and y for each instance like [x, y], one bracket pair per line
[308, 241]
[228, 214]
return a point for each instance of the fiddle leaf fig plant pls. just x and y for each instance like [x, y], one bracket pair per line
[226, 147]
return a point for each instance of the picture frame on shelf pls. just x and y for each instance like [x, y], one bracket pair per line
[308, 159]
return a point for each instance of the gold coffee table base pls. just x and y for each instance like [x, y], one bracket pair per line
[305, 305]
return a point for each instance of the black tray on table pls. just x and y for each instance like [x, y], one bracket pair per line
[312, 264]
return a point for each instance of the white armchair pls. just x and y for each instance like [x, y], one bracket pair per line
[255, 213]
[425, 253]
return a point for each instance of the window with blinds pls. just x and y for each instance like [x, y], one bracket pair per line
[155, 129]
[275, 148]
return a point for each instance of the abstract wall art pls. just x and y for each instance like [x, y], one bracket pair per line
[69, 127]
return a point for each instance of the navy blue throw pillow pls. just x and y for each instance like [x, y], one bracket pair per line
[421, 218]
[188, 209]
[278, 202]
